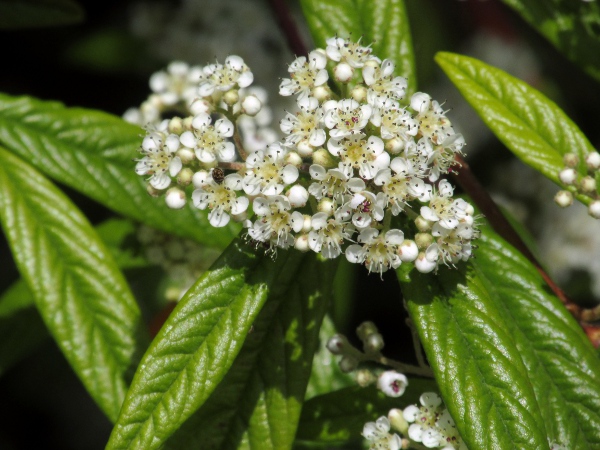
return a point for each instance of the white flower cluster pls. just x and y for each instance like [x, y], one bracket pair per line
[432, 425]
[351, 169]
[587, 185]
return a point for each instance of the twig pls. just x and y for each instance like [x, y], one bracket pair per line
[288, 27]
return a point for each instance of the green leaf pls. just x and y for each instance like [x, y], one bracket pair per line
[15, 14]
[92, 152]
[21, 328]
[198, 344]
[259, 400]
[571, 26]
[513, 366]
[383, 23]
[533, 127]
[326, 375]
[78, 290]
[340, 416]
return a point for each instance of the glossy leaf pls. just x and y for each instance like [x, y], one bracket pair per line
[15, 14]
[257, 405]
[513, 366]
[340, 416]
[383, 23]
[198, 344]
[78, 290]
[571, 26]
[532, 126]
[92, 152]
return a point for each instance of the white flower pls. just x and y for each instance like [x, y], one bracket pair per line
[305, 74]
[451, 246]
[159, 160]
[266, 172]
[333, 182]
[378, 252]
[401, 186]
[221, 199]
[210, 142]
[432, 119]
[443, 208]
[346, 117]
[303, 128]
[363, 208]
[356, 152]
[223, 77]
[342, 50]
[382, 84]
[392, 383]
[274, 223]
[177, 83]
[327, 235]
[423, 428]
[378, 434]
[395, 122]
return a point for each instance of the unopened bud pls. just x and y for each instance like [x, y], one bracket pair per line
[359, 93]
[175, 125]
[397, 421]
[348, 364]
[321, 93]
[594, 209]
[184, 177]
[588, 184]
[568, 176]
[186, 155]
[364, 377]
[231, 97]
[408, 251]
[392, 383]
[570, 160]
[337, 344]
[423, 265]
[593, 160]
[423, 240]
[394, 146]
[152, 191]
[298, 196]
[563, 199]
[343, 72]
[366, 329]
[175, 198]
[251, 105]
[423, 224]
[293, 158]
[323, 158]
[326, 206]
[373, 343]
[301, 243]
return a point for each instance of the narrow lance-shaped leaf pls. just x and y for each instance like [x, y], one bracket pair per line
[571, 26]
[513, 366]
[259, 401]
[340, 416]
[533, 127]
[198, 344]
[80, 293]
[92, 152]
[15, 14]
[383, 23]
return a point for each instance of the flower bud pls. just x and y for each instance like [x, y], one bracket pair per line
[200, 106]
[321, 93]
[175, 125]
[593, 160]
[568, 176]
[187, 123]
[186, 155]
[323, 158]
[326, 206]
[594, 209]
[394, 146]
[563, 199]
[343, 72]
[359, 93]
[298, 196]
[293, 158]
[588, 184]
[184, 177]
[348, 364]
[152, 191]
[364, 377]
[251, 105]
[392, 383]
[423, 224]
[337, 343]
[366, 329]
[373, 343]
[423, 265]
[301, 243]
[570, 160]
[175, 198]
[231, 97]
[423, 240]
[408, 251]
[307, 225]
[304, 148]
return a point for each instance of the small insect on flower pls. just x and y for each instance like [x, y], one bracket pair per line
[218, 175]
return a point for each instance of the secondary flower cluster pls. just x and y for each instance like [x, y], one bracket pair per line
[354, 165]
[586, 185]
